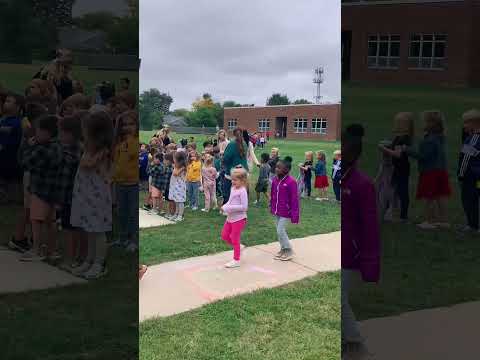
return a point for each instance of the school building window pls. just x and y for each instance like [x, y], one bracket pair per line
[319, 126]
[383, 51]
[300, 125]
[427, 51]
[232, 124]
[263, 125]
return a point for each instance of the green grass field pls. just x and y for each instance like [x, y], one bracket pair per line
[15, 77]
[297, 321]
[199, 234]
[420, 269]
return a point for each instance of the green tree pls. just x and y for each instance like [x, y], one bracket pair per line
[204, 116]
[301, 101]
[278, 99]
[101, 20]
[230, 103]
[152, 103]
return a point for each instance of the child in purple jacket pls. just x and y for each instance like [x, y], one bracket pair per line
[284, 205]
[360, 242]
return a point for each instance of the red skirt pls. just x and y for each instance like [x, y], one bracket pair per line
[433, 184]
[321, 182]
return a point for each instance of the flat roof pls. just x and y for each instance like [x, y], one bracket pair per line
[277, 106]
[390, 2]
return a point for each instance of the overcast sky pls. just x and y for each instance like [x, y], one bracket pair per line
[241, 50]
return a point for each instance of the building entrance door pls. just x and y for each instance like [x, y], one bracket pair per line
[346, 54]
[281, 127]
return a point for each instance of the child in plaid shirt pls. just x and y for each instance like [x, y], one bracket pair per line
[69, 136]
[168, 166]
[157, 172]
[42, 158]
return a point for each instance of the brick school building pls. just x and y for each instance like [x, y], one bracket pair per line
[308, 122]
[431, 42]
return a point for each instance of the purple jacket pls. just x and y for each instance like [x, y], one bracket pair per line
[360, 228]
[284, 201]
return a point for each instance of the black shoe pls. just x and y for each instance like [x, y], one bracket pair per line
[147, 207]
[22, 246]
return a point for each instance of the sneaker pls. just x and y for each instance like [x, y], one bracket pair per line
[79, 270]
[318, 199]
[54, 256]
[177, 219]
[66, 267]
[443, 225]
[205, 210]
[255, 202]
[279, 254]
[287, 255]
[96, 271]
[152, 212]
[232, 264]
[427, 226]
[168, 216]
[21, 246]
[146, 207]
[31, 256]
[194, 208]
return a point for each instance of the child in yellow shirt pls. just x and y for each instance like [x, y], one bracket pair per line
[194, 179]
[125, 179]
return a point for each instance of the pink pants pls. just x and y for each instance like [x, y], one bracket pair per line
[210, 195]
[231, 234]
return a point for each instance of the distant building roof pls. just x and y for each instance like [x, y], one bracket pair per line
[82, 40]
[172, 120]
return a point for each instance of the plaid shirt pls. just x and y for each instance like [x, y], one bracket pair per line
[157, 174]
[43, 162]
[66, 174]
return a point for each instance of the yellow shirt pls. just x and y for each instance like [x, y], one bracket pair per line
[194, 171]
[125, 161]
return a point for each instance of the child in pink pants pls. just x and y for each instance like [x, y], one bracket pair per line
[236, 210]
[209, 180]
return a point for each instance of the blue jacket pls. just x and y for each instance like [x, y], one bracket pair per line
[143, 166]
[320, 168]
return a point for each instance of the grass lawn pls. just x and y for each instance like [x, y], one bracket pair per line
[199, 234]
[16, 77]
[297, 321]
[420, 269]
[87, 321]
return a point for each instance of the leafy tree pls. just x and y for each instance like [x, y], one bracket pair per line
[153, 102]
[278, 99]
[204, 116]
[101, 20]
[301, 101]
[230, 103]
[205, 101]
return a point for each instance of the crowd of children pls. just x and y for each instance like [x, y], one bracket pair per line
[173, 174]
[71, 153]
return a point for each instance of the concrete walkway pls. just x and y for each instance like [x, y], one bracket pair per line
[147, 220]
[17, 276]
[174, 287]
[448, 333]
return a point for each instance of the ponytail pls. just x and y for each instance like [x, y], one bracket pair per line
[238, 133]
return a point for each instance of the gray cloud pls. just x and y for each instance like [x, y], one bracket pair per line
[239, 50]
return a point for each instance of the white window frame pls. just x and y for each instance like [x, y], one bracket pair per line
[392, 62]
[263, 125]
[232, 124]
[300, 129]
[317, 127]
[421, 60]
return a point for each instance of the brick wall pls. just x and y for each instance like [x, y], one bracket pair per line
[248, 117]
[451, 18]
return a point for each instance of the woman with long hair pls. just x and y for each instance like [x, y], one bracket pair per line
[235, 155]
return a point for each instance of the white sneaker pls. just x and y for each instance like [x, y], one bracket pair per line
[79, 270]
[318, 199]
[177, 219]
[95, 272]
[232, 264]
[427, 226]
[31, 256]
[255, 202]
[152, 212]
[194, 208]
[205, 210]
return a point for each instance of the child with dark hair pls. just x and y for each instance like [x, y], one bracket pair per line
[157, 173]
[360, 243]
[42, 158]
[263, 175]
[168, 168]
[284, 205]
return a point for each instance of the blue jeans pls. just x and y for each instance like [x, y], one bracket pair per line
[192, 193]
[127, 202]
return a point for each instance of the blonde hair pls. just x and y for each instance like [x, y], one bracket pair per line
[309, 155]
[403, 124]
[241, 175]
[434, 122]
[337, 152]
[322, 154]
[276, 150]
[208, 160]
[471, 116]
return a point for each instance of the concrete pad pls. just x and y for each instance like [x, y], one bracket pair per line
[17, 276]
[447, 333]
[147, 220]
[191, 283]
[320, 253]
